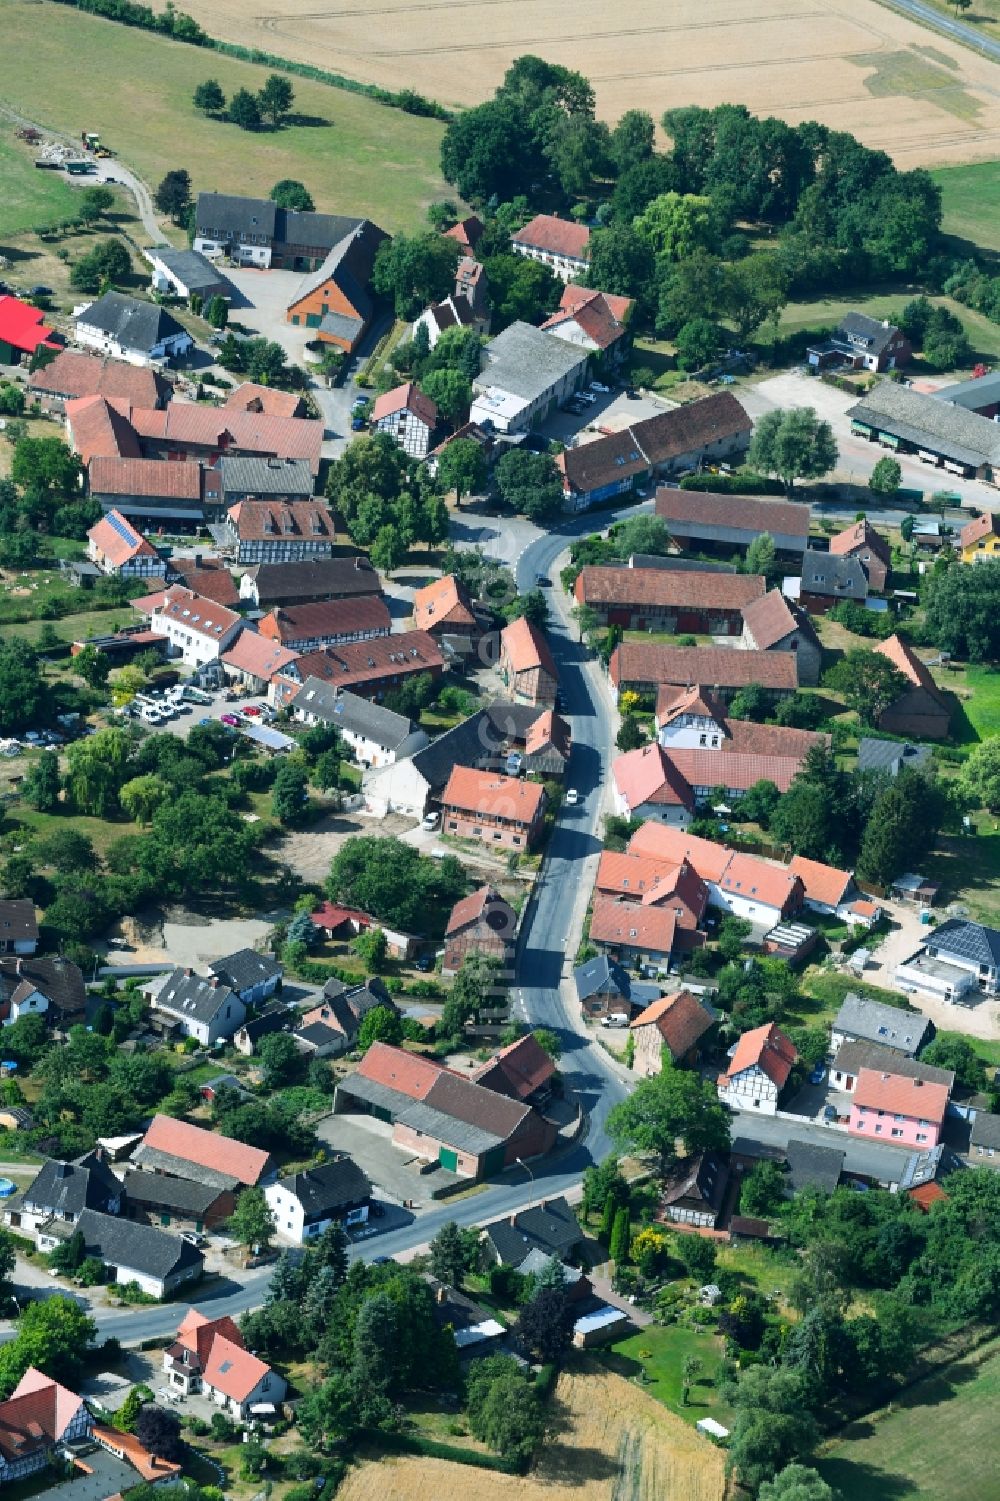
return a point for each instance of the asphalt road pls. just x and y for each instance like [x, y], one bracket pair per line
[959, 31]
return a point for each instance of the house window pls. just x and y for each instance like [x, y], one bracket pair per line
[878, 1130]
[921, 1136]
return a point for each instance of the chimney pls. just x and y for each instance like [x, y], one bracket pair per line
[19, 965]
[188, 971]
[513, 1221]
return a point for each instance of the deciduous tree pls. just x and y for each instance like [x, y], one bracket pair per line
[792, 444]
[173, 196]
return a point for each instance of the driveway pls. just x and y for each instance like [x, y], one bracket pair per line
[391, 1169]
[612, 411]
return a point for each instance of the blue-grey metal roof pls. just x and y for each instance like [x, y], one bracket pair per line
[965, 940]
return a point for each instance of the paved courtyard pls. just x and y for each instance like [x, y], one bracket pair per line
[391, 1169]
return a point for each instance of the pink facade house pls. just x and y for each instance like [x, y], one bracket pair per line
[907, 1112]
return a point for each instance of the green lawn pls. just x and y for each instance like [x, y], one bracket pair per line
[968, 867]
[70, 70]
[936, 1445]
[31, 199]
[982, 710]
[970, 198]
[829, 990]
[660, 1353]
[76, 627]
[99, 831]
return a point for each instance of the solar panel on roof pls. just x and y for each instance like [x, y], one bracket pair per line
[121, 526]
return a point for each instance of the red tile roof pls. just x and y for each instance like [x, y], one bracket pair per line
[74, 374]
[509, 798]
[740, 511]
[443, 600]
[517, 1070]
[408, 1073]
[653, 883]
[986, 525]
[680, 1020]
[327, 617]
[716, 666]
[592, 314]
[367, 662]
[469, 909]
[253, 398]
[468, 232]
[207, 1149]
[648, 775]
[769, 619]
[210, 578]
[555, 236]
[21, 326]
[149, 1466]
[821, 883]
[573, 296]
[685, 429]
[728, 767]
[906, 661]
[227, 1364]
[145, 477]
[407, 397]
[118, 540]
[623, 924]
[694, 700]
[925, 1195]
[766, 1048]
[99, 428]
[859, 535]
[743, 737]
[258, 657]
[664, 588]
[273, 520]
[750, 877]
[236, 431]
[526, 647]
[37, 1414]
[191, 610]
[548, 729]
[897, 1095]
[674, 846]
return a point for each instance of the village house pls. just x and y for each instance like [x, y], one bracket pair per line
[334, 300]
[332, 1027]
[38, 1416]
[852, 1058]
[466, 233]
[522, 1071]
[671, 784]
[338, 922]
[273, 1016]
[955, 959]
[23, 331]
[979, 540]
[443, 608]
[155, 1199]
[863, 542]
[863, 1020]
[707, 522]
[560, 244]
[370, 668]
[695, 719]
[251, 976]
[646, 784]
[141, 333]
[604, 988]
[833, 892]
[181, 1150]
[158, 1262]
[331, 622]
[481, 923]
[827, 579]
[984, 1139]
[550, 1227]
[643, 666]
[242, 477]
[694, 1194]
[921, 709]
[18, 926]
[256, 663]
[759, 1066]
[526, 375]
[61, 1191]
[308, 582]
[503, 811]
[197, 433]
[526, 664]
[261, 531]
[659, 599]
[907, 1111]
[674, 1026]
[942, 435]
[308, 1202]
[258, 232]
[115, 545]
[207, 576]
[645, 937]
[248, 396]
[441, 1116]
[209, 1357]
[596, 321]
[41, 986]
[408, 417]
[862, 343]
[376, 735]
[196, 630]
[453, 312]
[149, 492]
[73, 374]
[203, 1008]
[774, 623]
[547, 746]
[653, 883]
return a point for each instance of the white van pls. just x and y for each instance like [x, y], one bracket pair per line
[616, 1019]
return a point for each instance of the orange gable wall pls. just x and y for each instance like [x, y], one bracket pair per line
[328, 297]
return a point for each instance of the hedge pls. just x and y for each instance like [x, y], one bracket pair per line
[733, 484]
[411, 1443]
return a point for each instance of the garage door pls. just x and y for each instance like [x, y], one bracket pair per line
[448, 1159]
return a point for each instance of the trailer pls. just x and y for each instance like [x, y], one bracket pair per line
[80, 169]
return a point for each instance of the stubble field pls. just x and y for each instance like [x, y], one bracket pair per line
[855, 65]
[612, 1443]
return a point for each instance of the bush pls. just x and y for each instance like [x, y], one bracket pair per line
[733, 484]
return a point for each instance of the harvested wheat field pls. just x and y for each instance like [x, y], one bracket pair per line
[855, 65]
[612, 1443]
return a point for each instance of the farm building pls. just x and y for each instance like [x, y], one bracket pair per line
[646, 666]
[186, 273]
[526, 664]
[659, 599]
[942, 434]
[704, 521]
[526, 374]
[73, 374]
[141, 333]
[334, 299]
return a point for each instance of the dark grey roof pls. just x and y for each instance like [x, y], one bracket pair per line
[891, 756]
[929, 1166]
[361, 716]
[348, 265]
[139, 1248]
[812, 1166]
[179, 1167]
[245, 969]
[68, 1188]
[601, 973]
[830, 573]
[966, 940]
[58, 979]
[192, 997]
[191, 269]
[929, 423]
[228, 214]
[18, 919]
[182, 1194]
[550, 1227]
[134, 324]
[538, 1260]
[698, 1180]
[325, 231]
[269, 1018]
[245, 475]
[313, 578]
[853, 1056]
[973, 394]
[341, 326]
[985, 1130]
[874, 334]
[318, 1035]
[527, 362]
[891, 1026]
[333, 1185]
[360, 998]
[475, 741]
